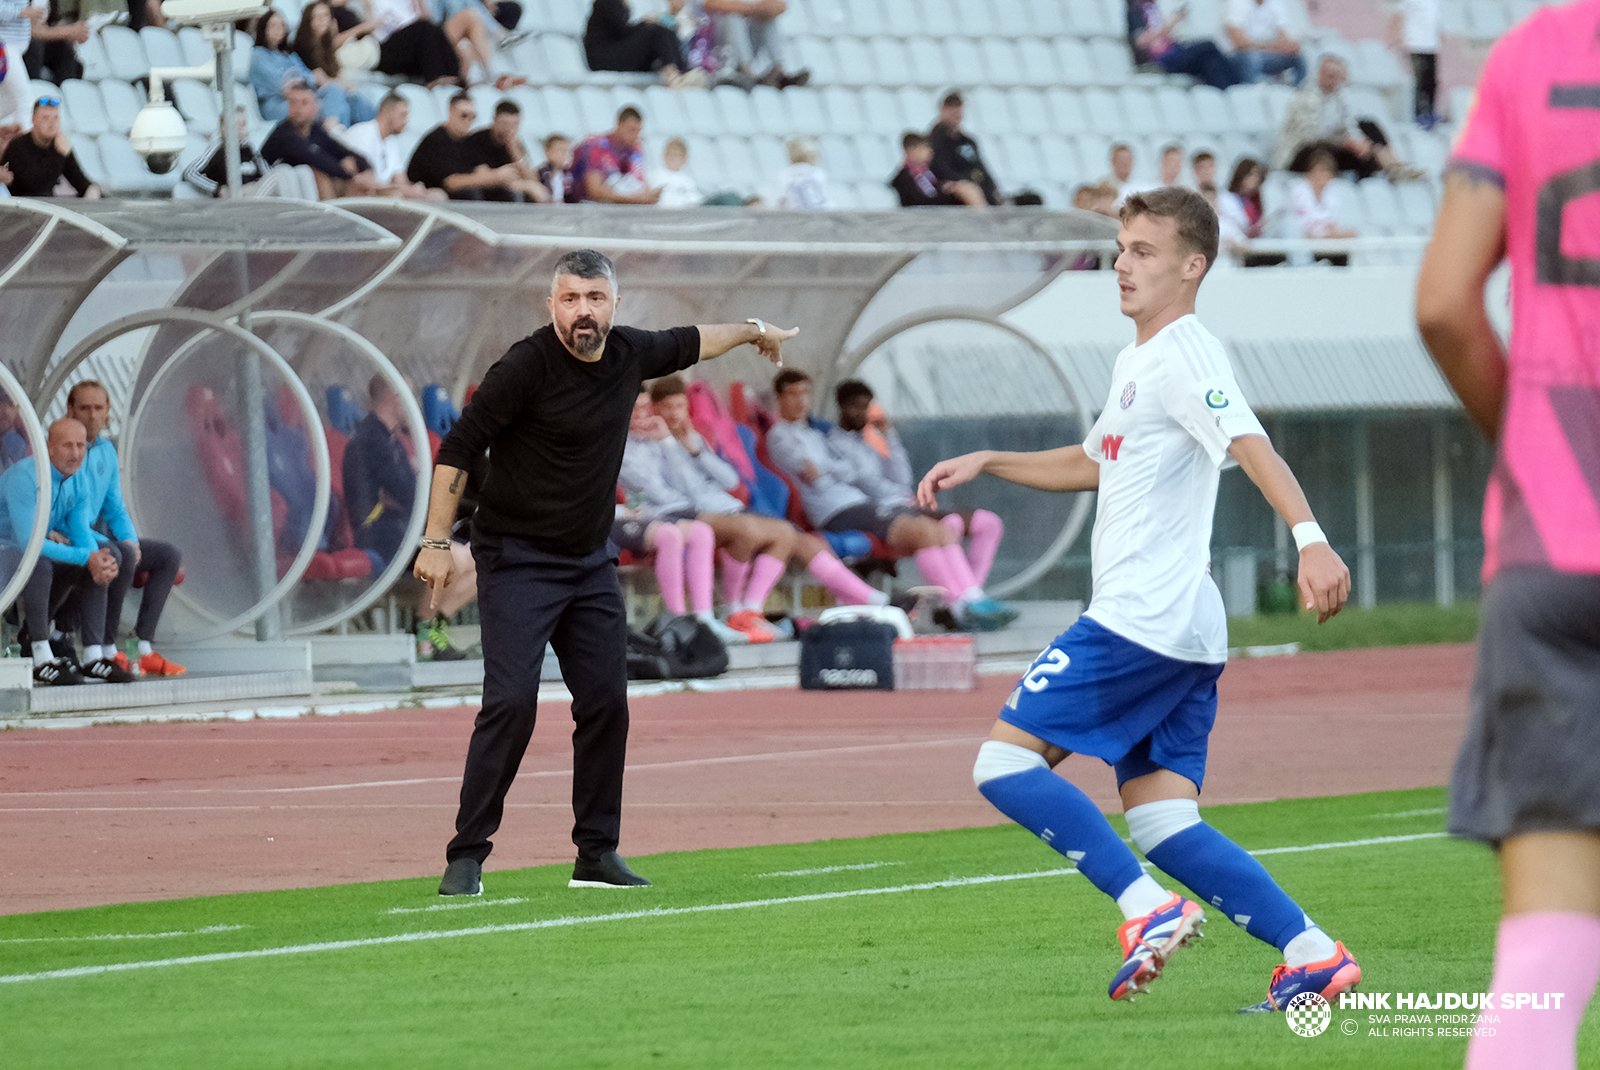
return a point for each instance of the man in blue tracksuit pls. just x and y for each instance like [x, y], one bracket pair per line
[72, 561]
[89, 404]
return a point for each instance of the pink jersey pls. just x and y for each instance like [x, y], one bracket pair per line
[1535, 131]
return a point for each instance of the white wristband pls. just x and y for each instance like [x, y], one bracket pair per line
[1307, 534]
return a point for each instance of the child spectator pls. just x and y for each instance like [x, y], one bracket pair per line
[919, 187]
[556, 171]
[678, 189]
[804, 185]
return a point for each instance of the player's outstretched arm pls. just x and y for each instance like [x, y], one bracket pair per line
[717, 338]
[434, 564]
[1324, 579]
[1064, 469]
[1468, 241]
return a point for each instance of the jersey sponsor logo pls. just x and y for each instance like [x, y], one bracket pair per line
[1050, 663]
[1110, 444]
[1216, 399]
[1129, 392]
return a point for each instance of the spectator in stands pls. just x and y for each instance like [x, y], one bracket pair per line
[612, 43]
[209, 171]
[1096, 198]
[450, 157]
[1171, 165]
[919, 187]
[1314, 204]
[318, 42]
[53, 49]
[610, 168]
[16, 100]
[1241, 204]
[674, 461]
[749, 31]
[1319, 118]
[556, 171]
[71, 561]
[40, 159]
[380, 485]
[1203, 166]
[865, 437]
[833, 502]
[803, 185]
[1151, 37]
[678, 187]
[501, 152]
[413, 46]
[499, 17]
[955, 154]
[301, 140]
[1120, 180]
[378, 140]
[1415, 26]
[274, 65]
[1259, 32]
[90, 404]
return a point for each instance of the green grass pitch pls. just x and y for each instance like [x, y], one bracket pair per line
[1009, 973]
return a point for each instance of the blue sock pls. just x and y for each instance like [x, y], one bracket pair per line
[1062, 816]
[1232, 880]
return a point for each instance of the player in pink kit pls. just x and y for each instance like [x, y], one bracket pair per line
[1524, 184]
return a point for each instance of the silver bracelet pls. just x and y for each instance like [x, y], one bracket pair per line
[761, 329]
[435, 544]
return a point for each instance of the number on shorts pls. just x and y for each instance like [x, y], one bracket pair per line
[1054, 662]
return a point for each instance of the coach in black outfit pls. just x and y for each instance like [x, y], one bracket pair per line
[553, 414]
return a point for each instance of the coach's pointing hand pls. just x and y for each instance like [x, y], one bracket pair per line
[1324, 580]
[433, 567]
[769, 343]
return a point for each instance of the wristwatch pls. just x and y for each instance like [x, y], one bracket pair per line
[761, 329]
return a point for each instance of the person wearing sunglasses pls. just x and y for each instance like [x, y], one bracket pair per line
[39, 160]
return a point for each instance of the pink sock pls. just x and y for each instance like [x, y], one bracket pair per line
[735, 574]
[930, 562]
[847, 587]
[987, 530]
[962, 582]
[669, 566]
[765, 572]
[699, 564]
[1540, 954]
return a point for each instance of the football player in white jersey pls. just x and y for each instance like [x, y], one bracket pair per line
[1133, 682]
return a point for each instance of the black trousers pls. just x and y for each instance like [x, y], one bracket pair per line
[1425, 67]
[526, 598]
[49, 588]
[646, 46]
[419, 51]
[1343, 158]
[161, 561]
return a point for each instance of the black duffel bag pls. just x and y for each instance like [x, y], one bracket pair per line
[675, 648]
[855, 654]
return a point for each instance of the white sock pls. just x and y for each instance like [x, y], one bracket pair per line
[706, 616]
[42, 653]
[1313, 945]
[91, 653]
[145, 648]
[878, 599]
[1142, 897]
[969, 596]
[56, 634]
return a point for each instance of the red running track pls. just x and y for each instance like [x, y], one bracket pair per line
[123, 813]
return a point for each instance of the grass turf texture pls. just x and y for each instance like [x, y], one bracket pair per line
[1003, 974]
[1399, 624]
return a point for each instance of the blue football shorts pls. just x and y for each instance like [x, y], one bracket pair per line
[1094, 692]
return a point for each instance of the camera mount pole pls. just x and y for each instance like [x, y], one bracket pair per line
[220, 36]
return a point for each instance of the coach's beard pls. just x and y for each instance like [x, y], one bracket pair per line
[585, 338]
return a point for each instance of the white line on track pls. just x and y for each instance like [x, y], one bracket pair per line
[828, 869]
[209, 929]
[656, 912]
[457, 905]
[766, 756]
[1417, 813]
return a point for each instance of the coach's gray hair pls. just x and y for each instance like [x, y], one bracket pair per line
[585, 264]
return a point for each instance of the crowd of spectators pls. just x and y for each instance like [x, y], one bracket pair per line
[694, 42]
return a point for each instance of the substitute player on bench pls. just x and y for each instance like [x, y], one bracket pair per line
[553, 414]
[1133, 682]
[1522, 186]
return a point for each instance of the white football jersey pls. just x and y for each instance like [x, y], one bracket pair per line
[1162, 443]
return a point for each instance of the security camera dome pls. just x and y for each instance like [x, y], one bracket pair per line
[160, 162]
[159, 135]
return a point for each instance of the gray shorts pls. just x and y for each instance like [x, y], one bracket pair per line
[867, 517]
[1531, 758]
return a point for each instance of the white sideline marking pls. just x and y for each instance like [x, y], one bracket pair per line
[457, 905]
[828, 869]
[662, 912]
[123, 936]
[1417, 813]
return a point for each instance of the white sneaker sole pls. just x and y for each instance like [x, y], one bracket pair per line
[575, 883]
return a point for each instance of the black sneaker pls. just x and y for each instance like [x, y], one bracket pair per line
[464, 876]
[63, 650]
[56, 673]
[607, 871]
[107, 671]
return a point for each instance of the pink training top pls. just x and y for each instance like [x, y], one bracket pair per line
[1535, 132]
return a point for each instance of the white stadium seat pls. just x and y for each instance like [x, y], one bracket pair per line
[1012, 18]
[595, 110]
[929, 64]
[1003, 62]
[197, 51]
[738, 163]
[1074, 63]
[80, 102]
[1046, 18]
[92, 54]
[837, 156]
[843, 194]
[842, 108]
[535, 123]
[1112, 62]
[890, 62]
[876, 196]
[1094, 151]
[664, 112]
[701, 111]
[1416, 205]
[1025, 163]
[1031, 110]
[122, 103]
[917, 107]
[769, 154]
[864, 17]
[1038, 62]
[1250, 111]
[1066, 111]
[425, 113]
[1139, 115]
[1104, 113]
[706, 163]
[817, 57]
[771, 109]
[1060, 159]
[879, 156]
[805, 111]
[966, 61]
[563, 58]
[1382, 204]
[125, 53]
[937, 18]
[198, 103]
[1097, 18]
[989, 112]
[974, 17]
[87, 150]
[161, 47]
[853, 62]
[738, 117]
[1211, 112]
[1176, 109]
